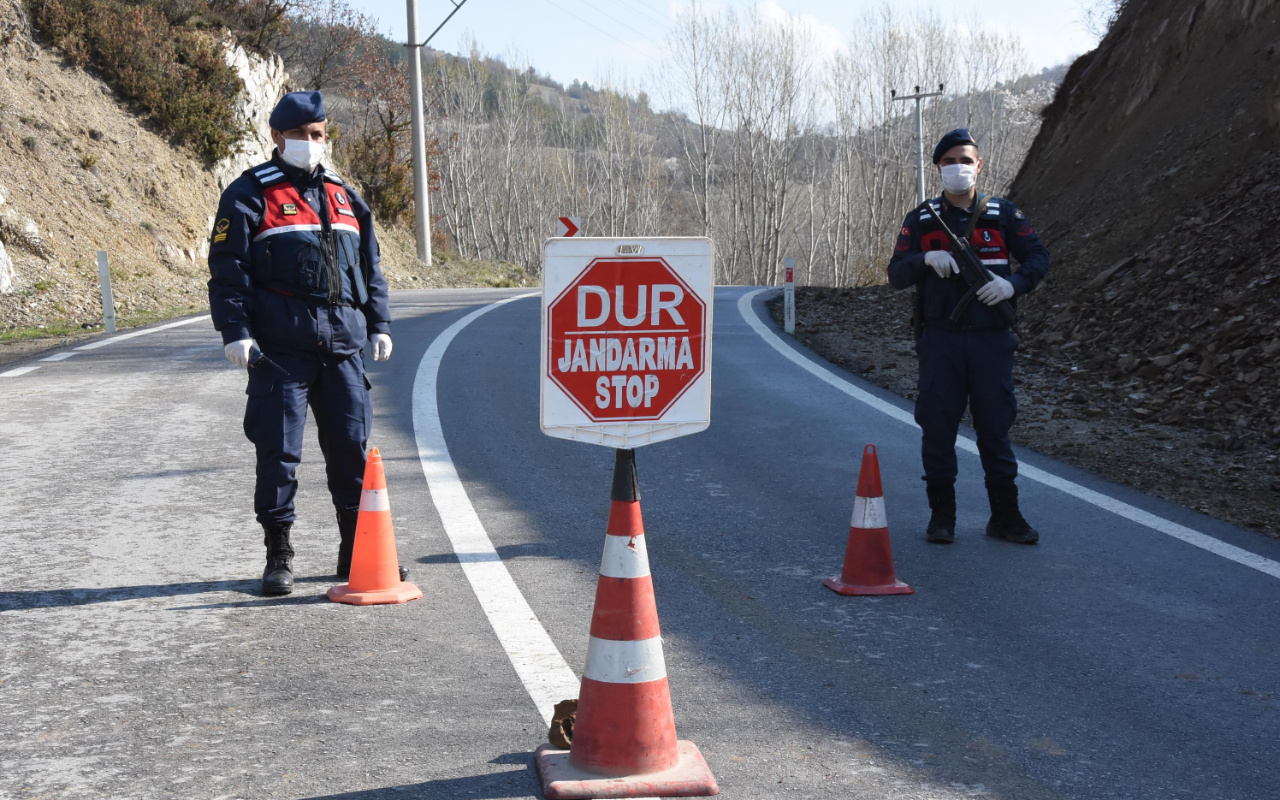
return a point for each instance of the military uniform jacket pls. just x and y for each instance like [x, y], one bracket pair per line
[1001, 232]
[294, 263]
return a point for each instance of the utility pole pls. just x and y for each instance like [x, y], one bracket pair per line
[918, 96]
[421, 201]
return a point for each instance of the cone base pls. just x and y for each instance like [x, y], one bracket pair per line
[402, 592]
[562, 781]
[840, 587]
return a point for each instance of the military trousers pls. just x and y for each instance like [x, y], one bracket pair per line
[337, 391]
[959, 369]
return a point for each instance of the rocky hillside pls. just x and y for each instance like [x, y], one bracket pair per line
[1155, 179]
[80, 171]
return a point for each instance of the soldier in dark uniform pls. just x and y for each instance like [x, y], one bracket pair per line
[296, 288]
[968, 362]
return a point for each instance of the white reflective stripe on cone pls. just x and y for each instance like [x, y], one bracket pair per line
[375, 500]
[624, 557]
[611, 661]
[868, 512]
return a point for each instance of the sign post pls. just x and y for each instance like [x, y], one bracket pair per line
[108, 303]
[789, 296]
[626, 361]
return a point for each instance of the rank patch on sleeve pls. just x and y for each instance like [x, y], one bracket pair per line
[219, 238]
[222, 225]
[290, 209]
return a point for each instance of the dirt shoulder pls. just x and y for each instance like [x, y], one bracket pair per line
[866, 332]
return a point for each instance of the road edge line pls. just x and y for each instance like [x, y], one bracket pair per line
[546, 676]
[143, 332]
[1118, 507]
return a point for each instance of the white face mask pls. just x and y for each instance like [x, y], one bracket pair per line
[959, 178]
[302, 153]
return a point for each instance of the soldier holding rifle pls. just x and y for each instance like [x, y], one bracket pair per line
[955, 250]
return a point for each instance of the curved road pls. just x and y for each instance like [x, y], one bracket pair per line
[1130, 655]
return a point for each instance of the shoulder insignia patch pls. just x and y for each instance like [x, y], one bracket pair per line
[222, 225]
[290, 209]
[340, 197]
[1018, 214]
[906, 231]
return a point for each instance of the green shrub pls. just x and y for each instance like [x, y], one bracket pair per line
[176, 73]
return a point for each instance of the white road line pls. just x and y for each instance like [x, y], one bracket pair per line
[13, 373]
[541, 668]
[1122, 509]
[144, 332]
[59, 356]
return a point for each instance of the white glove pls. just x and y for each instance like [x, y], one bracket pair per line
[942, 263]
[238, 352]
[995, 291]
[381, 346]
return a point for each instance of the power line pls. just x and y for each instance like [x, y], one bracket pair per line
[595, 27]
[644, 11]
[625, 25]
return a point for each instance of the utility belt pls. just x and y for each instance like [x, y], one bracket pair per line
[314, 301]
[945, 324]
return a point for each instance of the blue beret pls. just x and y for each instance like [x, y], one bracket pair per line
[296, 109]
[958, 136]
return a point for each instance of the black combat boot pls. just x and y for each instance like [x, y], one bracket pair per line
[1006, 520]
[346, 530]
[346, 545]
[942, 508]
[277, 578]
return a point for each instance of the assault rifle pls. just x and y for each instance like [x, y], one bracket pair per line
[973, 272]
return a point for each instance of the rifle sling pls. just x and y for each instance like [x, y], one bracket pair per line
[979, 208]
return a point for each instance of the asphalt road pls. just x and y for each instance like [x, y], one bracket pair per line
[136, 659]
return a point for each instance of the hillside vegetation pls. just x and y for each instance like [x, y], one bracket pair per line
[119, 139]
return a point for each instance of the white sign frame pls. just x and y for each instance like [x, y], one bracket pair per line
[564, 259]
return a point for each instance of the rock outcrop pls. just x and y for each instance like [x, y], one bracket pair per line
[1155, 181]
[264, 80]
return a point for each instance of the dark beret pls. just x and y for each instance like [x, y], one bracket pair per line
[296, 109]
[958, 136]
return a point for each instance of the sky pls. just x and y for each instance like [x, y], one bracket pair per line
[591, 39]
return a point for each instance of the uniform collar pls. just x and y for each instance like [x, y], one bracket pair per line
[945, 203]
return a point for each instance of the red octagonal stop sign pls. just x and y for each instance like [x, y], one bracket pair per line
[625, 339]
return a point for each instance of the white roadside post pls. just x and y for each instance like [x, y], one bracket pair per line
[108, 304]
[789, 295]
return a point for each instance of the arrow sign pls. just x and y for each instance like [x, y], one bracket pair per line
[570, 226]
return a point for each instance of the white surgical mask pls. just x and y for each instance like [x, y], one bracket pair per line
[302, 153]
[959, 178]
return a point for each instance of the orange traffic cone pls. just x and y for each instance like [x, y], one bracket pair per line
[868, 561]
[624, 738]
[375, 569]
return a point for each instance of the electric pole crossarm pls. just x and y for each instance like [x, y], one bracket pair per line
[457, 6]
